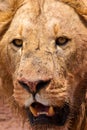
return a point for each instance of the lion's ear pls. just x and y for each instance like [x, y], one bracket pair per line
[79, 5]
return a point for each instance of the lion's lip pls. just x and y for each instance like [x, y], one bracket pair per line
[40, 114]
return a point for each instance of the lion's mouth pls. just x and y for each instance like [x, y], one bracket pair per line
[40, 114]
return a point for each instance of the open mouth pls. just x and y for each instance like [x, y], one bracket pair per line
[40, 114]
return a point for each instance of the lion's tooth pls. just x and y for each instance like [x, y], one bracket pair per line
[51, 111]
[34, 112]
[42, 113]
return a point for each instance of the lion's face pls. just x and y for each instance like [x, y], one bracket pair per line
[45, 48]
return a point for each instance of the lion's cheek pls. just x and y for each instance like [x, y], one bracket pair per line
[21, 96]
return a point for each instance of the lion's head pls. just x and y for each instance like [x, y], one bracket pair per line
[43, 61]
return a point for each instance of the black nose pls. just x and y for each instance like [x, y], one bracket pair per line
[34, 86]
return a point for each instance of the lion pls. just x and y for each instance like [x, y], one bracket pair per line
[43, 61]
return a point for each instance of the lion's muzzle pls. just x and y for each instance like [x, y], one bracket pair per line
[39, 113]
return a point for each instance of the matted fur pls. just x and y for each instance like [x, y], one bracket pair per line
[13, 64]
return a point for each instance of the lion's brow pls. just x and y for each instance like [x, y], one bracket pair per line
[7, 15]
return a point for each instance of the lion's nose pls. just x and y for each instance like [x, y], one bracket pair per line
[34, 86]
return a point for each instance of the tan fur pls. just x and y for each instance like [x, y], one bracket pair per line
[38, 23]
[79, 5]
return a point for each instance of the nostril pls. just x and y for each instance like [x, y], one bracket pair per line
[33, 86]
[41, 84]
[24, 85]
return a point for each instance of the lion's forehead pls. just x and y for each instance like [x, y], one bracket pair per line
[43, 19]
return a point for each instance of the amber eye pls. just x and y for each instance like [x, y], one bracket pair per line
[62, 40]
[17, 42]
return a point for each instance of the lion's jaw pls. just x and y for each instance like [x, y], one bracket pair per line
[44, 73]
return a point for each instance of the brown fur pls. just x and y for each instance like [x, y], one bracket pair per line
[39, 59]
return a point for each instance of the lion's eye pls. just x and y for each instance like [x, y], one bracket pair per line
[61, 40]
[17, 42]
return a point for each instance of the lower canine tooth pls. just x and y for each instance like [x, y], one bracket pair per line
[34, 112]
[51, 111]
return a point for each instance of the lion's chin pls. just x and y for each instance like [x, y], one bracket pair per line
[49, 127]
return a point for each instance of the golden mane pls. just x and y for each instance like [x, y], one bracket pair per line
[7, 14]
[79, 5]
